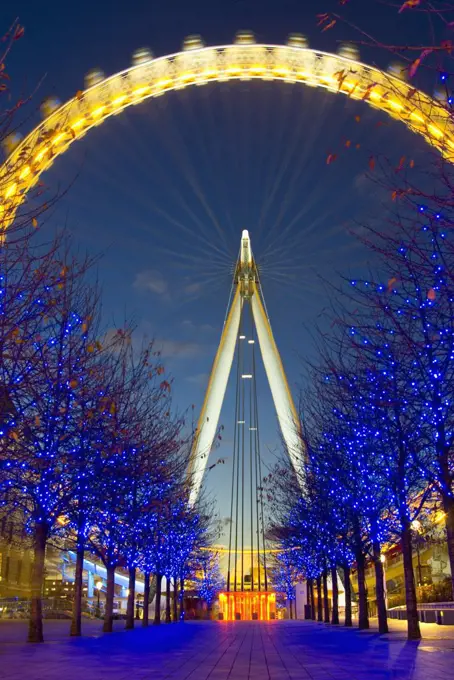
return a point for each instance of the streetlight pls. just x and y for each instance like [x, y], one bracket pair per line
[98, 586]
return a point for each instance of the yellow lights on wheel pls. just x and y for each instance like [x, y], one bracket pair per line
[328, 79]
[140, 91]
[164, 82]
[96, 113]
[78, 124]
[210, 73]
[395, 105]
[58, 138]
[119, 100]
[436, 132]
[416, 117]
[11, 190]
[25, 172]
[39, 156]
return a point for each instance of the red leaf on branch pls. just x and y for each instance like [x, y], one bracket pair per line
[409, 4]
[331, 158]
[415, 65]
[19, 32]
[371, 163]
[330, 25]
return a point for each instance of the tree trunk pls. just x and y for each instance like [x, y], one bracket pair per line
[413, 630]
[335, 613]
[182, 600]
[348, 597]
[76, 621]
[35, 627]
[157, 606]
[308, 597]
[130, 613]
[363, 615]
[146, 598]
[110, 592]
[319, 599]
[175, 600]
[168, 619]
[448, 506]
[313, 615]
[290, 607]
[380, 590]
[325, 596]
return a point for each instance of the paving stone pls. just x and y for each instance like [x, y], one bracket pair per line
[280, 650]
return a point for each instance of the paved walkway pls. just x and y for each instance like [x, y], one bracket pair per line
[280, 650]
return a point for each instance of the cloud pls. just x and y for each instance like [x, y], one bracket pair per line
[151, 281]
[178, 349]
[200, 379]
[204, 327]
[193, 288]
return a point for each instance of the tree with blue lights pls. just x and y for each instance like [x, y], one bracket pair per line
[209, 581]
[43, 374]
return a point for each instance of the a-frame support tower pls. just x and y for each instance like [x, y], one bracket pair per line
[247, 290]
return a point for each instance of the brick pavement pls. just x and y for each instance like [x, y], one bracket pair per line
[281, 650]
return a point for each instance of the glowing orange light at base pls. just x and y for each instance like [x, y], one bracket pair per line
[247, 606]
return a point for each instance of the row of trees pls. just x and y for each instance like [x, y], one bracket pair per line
[93, 456]
[378, 417]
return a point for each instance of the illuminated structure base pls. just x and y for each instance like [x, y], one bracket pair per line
[247, 606]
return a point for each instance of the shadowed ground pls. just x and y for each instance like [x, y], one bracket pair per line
[219, 651]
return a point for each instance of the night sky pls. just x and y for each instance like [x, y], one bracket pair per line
[164, 190]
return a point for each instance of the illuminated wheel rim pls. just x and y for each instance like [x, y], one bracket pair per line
[154, 77]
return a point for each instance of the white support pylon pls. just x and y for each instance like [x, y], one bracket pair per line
[247, 288]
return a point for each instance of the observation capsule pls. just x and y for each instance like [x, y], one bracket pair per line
[398, 69]
[11, 142]
[94, 77]
[49, 105]
[244, 38]
[142, 55]
[297, 40]
[348, 51]
[193, 42]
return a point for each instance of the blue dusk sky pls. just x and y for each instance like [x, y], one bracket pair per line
[164, 190]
